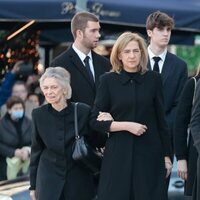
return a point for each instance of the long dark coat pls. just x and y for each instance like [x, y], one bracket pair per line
[184, 149]
[52, 169]
[82, 89]
[195, 131]
[133, 167]
[11, 139]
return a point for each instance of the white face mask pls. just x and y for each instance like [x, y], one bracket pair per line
[17, 114]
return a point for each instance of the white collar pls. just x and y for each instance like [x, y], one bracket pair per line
[162, 55]
[81, 54]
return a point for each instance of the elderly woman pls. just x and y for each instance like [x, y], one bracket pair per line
[15, 139]
[53, 173]
[137, 153]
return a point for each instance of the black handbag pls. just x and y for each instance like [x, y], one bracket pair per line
[83, 153]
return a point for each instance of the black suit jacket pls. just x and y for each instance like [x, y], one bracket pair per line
[82, 89]
[174, 76]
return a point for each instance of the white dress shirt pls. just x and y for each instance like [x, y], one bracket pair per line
[82, 56]
[162, 58]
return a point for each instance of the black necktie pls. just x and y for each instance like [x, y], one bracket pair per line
[156, 67]
[87, 66]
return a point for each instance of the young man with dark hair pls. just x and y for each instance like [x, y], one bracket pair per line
[173, 70]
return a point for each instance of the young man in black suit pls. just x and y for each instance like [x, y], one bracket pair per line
[173, 70]
[85, 28]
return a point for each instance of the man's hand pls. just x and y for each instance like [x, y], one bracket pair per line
[182, 169]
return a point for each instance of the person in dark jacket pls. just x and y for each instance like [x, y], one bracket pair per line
[173, 70]
[195, 131]
[15, 134]
[85, 29]
[136, 160]
[185, 151]
[53, 173]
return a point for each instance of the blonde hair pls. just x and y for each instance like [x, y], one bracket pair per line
[120, 45]
[61, 75]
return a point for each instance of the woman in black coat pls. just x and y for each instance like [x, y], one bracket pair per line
[53, 173]
[195, 131]
[136, 160]
[185, 151]
[15, 135]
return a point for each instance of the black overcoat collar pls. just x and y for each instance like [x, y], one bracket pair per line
[125, 77]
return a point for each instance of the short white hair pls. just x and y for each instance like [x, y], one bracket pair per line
[61, 75]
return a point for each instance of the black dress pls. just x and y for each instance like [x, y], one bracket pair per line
[133, 167]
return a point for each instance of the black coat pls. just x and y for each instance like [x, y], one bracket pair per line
[52, 168]
[174, 77]
[82, 89]
[12, 138]
[183, 148]
[195, 131]
[133, 167]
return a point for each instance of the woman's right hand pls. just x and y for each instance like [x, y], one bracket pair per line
[136, 128]
[104, 116]
[32, 195]
[182, 169]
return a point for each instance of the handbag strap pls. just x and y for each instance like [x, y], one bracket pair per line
[76, 121]
[195, 86]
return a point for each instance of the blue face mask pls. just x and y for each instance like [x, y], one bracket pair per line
[17, 114]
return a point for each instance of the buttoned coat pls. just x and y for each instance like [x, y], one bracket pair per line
[52, 168]
[133, 167]
[82, 88]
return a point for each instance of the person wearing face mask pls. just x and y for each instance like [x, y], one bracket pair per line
[15, 140]
[20, 89]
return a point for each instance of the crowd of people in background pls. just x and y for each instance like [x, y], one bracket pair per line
[17, 101]
[138, 106]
